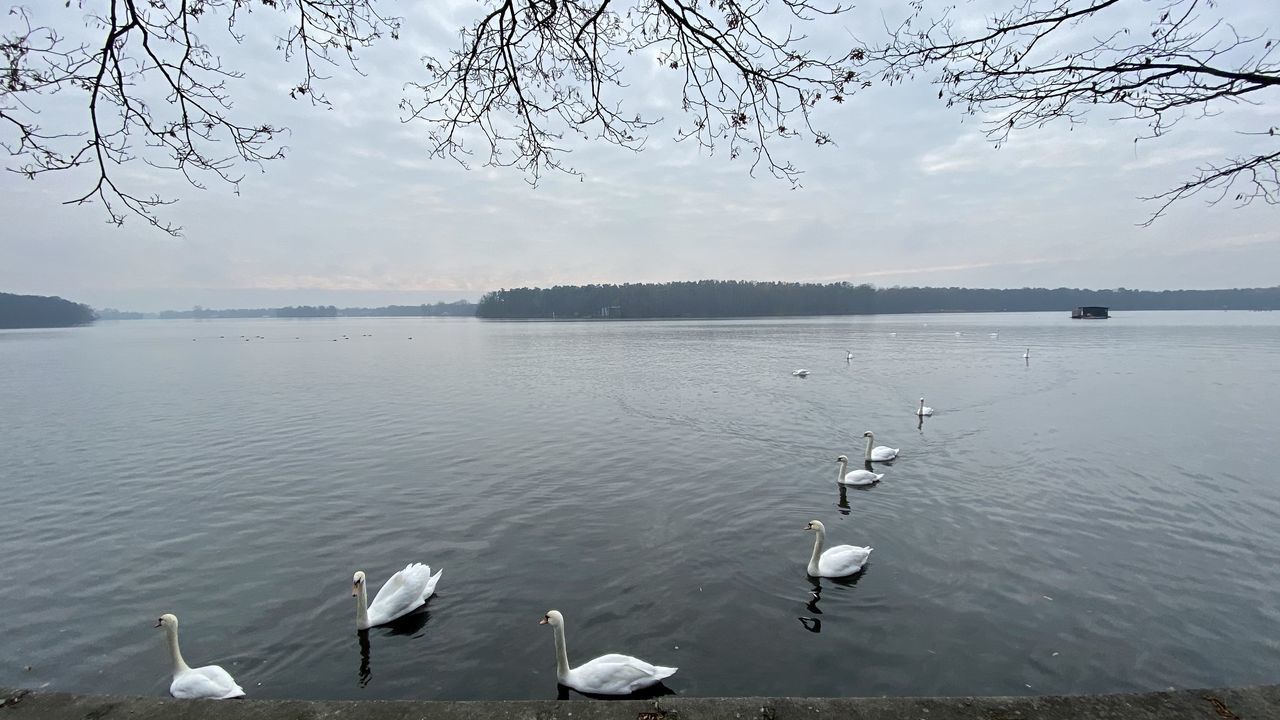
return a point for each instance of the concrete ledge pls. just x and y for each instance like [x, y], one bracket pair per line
[1259, 703]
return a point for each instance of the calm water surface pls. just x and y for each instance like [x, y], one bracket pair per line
[1102, 518]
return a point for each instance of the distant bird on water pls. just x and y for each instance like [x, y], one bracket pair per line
[1027, 355]
[924, 411]
[848, 355]
[800, 373]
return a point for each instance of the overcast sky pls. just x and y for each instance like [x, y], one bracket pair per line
[911, 194]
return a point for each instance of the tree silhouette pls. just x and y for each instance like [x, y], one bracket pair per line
[525, 74]
[1046, 60]
[736, 298]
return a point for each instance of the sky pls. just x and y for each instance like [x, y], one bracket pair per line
[911, 193]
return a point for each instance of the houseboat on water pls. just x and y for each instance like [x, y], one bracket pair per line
[1091, 312]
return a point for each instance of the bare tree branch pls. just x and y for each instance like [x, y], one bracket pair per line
[1047, 60]
[526, 73]
[154, 92]
[530, 71]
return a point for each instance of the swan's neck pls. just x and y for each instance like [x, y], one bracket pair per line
[362, 609]
[820, 537]
[562, 655]
[179, 665]
[870, 439]
[844, 468]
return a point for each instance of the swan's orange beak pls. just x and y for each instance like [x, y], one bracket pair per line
[355, 590]
[543, 621]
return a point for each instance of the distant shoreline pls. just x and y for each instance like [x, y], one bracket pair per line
[1064, 313]
[737, 299]
[695, 300]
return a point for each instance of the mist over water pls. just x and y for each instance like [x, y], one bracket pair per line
[1101, 517]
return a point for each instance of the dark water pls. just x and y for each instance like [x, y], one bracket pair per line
[1103, 518]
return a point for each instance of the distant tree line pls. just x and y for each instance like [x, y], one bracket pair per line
[198, 312]
[37, 311]
[733, 298]
[306, 311]
[114, 314]
[460, 308]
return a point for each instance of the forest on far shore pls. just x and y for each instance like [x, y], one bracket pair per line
[735, 298]
[38, 311]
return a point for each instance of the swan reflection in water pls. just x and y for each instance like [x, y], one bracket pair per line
[843, 503]
[411, 624]
[365, 672]
[812, 623]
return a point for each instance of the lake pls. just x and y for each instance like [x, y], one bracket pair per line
[1102, 517]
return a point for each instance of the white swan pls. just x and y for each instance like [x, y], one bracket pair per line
[848, 356]
[403, 593]
[210, 681]
[801, 373]
[922, 410]
[855, 477]
[838, 561]
[883, 453]
[1027, 355]
[611, 674]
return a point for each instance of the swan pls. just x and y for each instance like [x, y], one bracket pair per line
[1027, 355]
[210, 681]
[855, 477]
[996, 334]
[922, 410]
[882, 453]
[403, 593]
[838, 561]
[801, 373]
[610, 674]
[848, 355]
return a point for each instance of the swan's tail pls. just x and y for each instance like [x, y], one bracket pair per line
[431, 584]
[662, 673]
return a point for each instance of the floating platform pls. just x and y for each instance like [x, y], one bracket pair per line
[1091, 312]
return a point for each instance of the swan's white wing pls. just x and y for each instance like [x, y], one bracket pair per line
[883, 452]
[210, 682]
[861, 477]
[403, 593]
[843, 560]
[615, 674]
